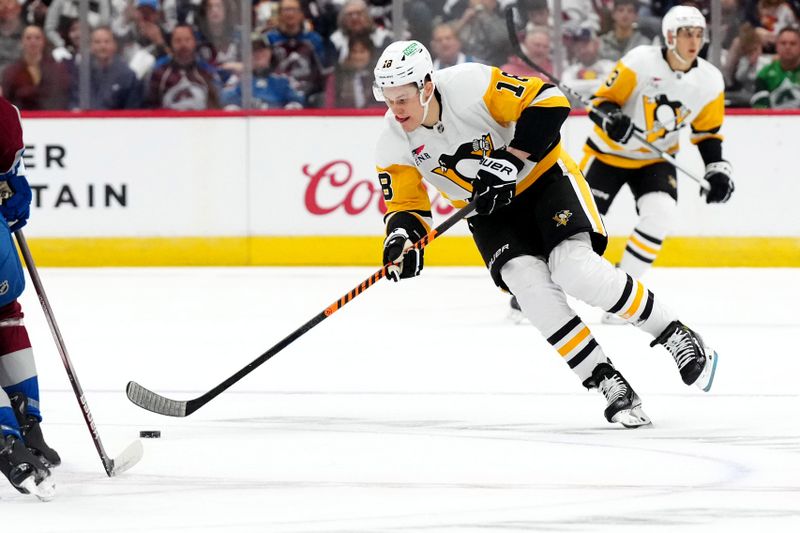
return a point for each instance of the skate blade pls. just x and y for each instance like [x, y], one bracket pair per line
[45, 490]
[706, 378]
[634, 417]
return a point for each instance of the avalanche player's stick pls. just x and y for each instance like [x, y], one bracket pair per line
[133, 453]
[147, 399]
[637, 132]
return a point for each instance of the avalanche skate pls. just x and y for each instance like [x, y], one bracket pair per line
[696, 360]
[624, 405]
[24, 470]
[31, 431]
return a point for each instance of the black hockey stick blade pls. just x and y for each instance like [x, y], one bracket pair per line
[151, 401]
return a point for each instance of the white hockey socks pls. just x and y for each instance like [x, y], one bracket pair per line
[657, 213]
[577, 269]
[545, 305]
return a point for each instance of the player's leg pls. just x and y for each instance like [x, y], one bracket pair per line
[605, 182]
[509, 244]
[656, 194]
[24, 470]
[576, 265]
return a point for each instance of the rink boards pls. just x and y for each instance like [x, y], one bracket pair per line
[300, 189]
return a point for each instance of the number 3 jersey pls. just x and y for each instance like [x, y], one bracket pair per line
[660, 101]
[479, 108]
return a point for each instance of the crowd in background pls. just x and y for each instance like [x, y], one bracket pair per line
[187, 54]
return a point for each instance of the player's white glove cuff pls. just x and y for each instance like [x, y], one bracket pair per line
[719, 167]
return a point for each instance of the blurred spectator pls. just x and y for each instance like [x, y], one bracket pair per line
[219, 36]
[769, 17]
[535, 13]
[181, 82]
[588, 71]
[778, 84]
[353, 21]
[146, 40]
[483, 33]
[113, 85]
[537, 46]
[270, 91]
[296, 52]
[34, 12]
[60, 16]
[351, 83]
[742, 64]
[36, 81]
[10, 32]
[623, 36]
[446, 47]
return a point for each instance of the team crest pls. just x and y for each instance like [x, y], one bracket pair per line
[562, 217]
[474, 150]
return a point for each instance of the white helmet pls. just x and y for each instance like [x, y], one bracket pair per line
[402, 62]
[681, 17]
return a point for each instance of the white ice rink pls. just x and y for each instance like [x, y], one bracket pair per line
[418, 407]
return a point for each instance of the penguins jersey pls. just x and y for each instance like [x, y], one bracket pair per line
[660, 101]
[479, 108]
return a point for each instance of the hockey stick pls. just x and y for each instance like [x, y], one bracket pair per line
[637, 132]
[147, 399]
[133, 453]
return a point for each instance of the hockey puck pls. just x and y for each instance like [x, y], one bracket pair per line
[152, 434]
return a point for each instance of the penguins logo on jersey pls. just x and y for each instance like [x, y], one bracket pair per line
[474, 150]
[562, 217]
[663, 116]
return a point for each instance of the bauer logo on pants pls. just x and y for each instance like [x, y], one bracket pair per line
[562, 217]
[4, 287]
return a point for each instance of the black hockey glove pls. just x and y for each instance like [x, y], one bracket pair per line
[496, 182]
[718, 176]
[398, 249]
[618, 126]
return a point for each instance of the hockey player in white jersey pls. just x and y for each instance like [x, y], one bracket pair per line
[659, 91]
[476, 133]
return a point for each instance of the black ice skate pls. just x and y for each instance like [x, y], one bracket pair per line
[624, 405]
[516, 315]
[31, 431]
[696, 360]
[24, 470]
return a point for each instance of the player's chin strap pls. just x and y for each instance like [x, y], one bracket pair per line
[426, 102]
[637, 132]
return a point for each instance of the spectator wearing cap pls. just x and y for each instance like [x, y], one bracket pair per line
[36, 81]
[350, 85]
[181, 82]
[146, 42]
[297, 52]
[270, 91]
[446, 47]
[60, 16]
[354, 20]
[537, 45]
[588, 71]
[113, 85]
[11, 28]
[623, 36]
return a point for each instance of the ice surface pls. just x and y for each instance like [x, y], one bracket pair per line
[417, 407]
